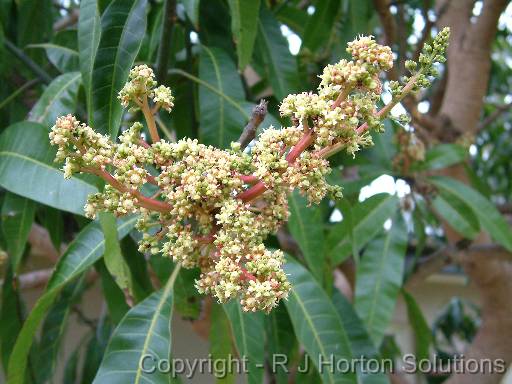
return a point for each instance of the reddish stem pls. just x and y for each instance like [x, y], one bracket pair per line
[246, 275]
[143, 201]
[251, 179]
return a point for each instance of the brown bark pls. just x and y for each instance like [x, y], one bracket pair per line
[469, 61]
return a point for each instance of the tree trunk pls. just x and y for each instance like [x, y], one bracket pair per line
[469, 61]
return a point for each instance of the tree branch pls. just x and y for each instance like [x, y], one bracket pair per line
[29, 63]
[249, 133]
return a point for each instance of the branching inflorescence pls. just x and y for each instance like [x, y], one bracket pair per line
[213, 208]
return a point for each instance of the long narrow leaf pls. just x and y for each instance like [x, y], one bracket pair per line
[122, 30]
[27, 169]
[82, 253]
[244, 24]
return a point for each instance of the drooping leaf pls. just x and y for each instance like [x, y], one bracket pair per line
[57, 100]
[320, 24]
[141, 340]
[282, 346]
[52, 220]
[113, 257]
[379, 278]
[53, 329]
[458, 214]
[12, 315]
[17, 219]
[113, 295]
[82, 253]
[422, 333]
[368, 218]
[316, 323]
[220, 121]
[490, 219]
[35, 25]
[123, 25]
[306, 226]
[27, 169]
[293, 17]
[280, 64]
[88, 41]
[249, 332]
[192, 11]
[63, 58]
[220, 343]
[360, 341]
[244, 25]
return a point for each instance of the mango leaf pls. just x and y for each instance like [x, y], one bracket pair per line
[281, 343]
[82, 253]
[27, 169]
[320, 24]
[490, 219]
[54, 327]
[293, 17]
[123, 25]
[442, 156]
[360, 341]
[422, 333]
[458, 214]
[88, 41]
[12, 313]
[316, 323]
[249, 334]
[280, 64]
[144, 331]
[192, 11]
[17, 219]
[244, 24]
[379, 278]
[113, 257]
[63, 58]
[368, 218]
[220, 343]
[57, 100]
[220, 121]
[113, 295]
[306, 226]
[35, 25]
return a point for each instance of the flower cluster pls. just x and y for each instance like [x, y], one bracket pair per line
[212, 208]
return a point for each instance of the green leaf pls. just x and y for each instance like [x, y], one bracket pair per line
[144, 331]
[458, 214]
[12, 314]
[113, 257]
[280, 64]
[122, 30]
[88, 41]
[17, 219]
[368, 218]
[34, 25]
[54, 327]
[63, 58]
[82, 253]
[192, 11]
[220, 121]
[490, 219]
[316, 323]
[293, 17]
[379, 278]
[249, 334]
[306, 226]
[244, 24]
[422, 333]
[26, 168]
[442, 156]
[220, 343]
[113, 295]
[281, 341]
[320, 24]
[57, 100]
[360, 341]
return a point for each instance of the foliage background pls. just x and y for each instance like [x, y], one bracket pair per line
[221, 58]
